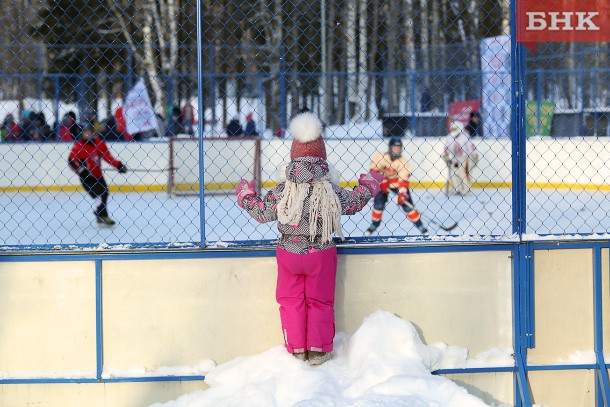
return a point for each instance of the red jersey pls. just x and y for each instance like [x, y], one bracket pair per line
[90, 154]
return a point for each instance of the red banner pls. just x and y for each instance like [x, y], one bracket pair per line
[562, 21]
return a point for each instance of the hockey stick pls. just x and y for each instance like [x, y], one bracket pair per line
[432, 221]
[139, 169]
[448, 178]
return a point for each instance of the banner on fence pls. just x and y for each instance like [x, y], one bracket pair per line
[138, 110]
[562, 21]
[538, 118]
[495, 64]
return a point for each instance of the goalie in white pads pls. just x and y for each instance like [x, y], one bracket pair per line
[461, 157]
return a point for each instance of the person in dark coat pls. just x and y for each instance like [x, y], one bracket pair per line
[250, 130]
[175, 125]
[234, 128]
[475, 125]
[427, 102]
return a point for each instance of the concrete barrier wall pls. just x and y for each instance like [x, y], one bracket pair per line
[44, 165]
[179, 310]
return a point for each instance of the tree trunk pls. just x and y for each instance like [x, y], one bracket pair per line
[275, 33]
[352, 58]
[372, 89]
[394, 41]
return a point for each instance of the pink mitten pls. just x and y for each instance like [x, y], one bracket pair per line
[371, 180]
[245, 189]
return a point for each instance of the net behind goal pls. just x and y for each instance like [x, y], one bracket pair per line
[226, 161]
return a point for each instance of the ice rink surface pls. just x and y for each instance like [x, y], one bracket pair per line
[66, 218]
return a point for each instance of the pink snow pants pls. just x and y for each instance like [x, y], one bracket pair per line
[306, 294]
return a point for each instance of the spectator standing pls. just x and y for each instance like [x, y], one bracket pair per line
[26, 126]
[109, 130]
[308, 207]
[188, 118]
[121, 124]
[427, 102]
[85, 159]
[10, 130]
[40, 130]
[234, 128]
[250, 130]
[475, 125]
[175, 125]
[68, 129]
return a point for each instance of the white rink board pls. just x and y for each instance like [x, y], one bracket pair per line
[178, 312]
[548, 161]
[461, 298]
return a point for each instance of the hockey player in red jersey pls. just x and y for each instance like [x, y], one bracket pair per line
[85, 159]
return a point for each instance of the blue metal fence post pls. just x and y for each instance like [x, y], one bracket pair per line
[40, 72]
[169, 82]
[522, 317]
[202, 242]
[56, 100]
[212, 86]
[99, 340]
[517, 128]
[602, 393]
[413, 101]
[582, 103]
[523, 256]
[283, 107]
[538, 101]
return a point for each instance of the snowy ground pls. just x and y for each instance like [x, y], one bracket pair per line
[66, 218]
[383, 364]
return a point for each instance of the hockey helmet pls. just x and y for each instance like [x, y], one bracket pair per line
[395, 142]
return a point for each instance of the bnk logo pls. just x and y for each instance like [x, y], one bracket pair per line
[566, 20]
[562, 21]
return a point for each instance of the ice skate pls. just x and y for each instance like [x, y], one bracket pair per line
[105, 220]
[371, 230]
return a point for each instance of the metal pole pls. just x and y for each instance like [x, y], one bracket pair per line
[200, 127]
[323, 58]
[519, 171]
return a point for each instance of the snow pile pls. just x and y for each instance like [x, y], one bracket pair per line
[383, 364]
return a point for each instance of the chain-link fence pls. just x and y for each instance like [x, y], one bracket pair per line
[104, 110]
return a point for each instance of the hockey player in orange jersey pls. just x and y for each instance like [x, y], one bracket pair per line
[396, 172]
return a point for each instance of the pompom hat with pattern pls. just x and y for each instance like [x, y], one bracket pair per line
[306, 131]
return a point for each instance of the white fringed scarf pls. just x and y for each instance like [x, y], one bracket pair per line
[324, 204]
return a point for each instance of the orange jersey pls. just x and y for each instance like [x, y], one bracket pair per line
[396, 172]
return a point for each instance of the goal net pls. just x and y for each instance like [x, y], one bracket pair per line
[226, 161]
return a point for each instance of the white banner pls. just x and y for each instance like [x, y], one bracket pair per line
[138, 111]
[495, 64]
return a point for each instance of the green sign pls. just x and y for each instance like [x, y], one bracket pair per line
[538, 118]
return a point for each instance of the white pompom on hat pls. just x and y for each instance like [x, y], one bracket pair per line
[306, 131]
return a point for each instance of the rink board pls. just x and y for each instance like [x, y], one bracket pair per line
[110, 321]
[551, 163]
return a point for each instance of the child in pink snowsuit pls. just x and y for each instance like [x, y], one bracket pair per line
[308, 208]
